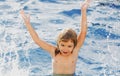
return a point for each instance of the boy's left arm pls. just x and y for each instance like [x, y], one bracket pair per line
[82, 34]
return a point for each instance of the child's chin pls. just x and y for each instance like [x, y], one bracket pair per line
[65, 54]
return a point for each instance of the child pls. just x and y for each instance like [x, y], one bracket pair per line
[65, 54]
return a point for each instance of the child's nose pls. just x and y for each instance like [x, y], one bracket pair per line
[65, 48]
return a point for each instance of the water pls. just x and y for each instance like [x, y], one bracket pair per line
[20, 56]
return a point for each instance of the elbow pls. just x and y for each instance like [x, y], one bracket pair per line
[36, 41]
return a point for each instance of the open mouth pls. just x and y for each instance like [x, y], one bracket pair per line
[65, 52]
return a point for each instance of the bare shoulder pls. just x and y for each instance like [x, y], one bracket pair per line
[52, 51]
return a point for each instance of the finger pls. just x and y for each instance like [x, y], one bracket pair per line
[21, 11]
[88, 1]
[28, 16]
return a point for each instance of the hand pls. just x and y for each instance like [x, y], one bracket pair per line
[85, 5]
[25, 17]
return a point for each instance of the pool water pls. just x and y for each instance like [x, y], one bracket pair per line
[20, 56]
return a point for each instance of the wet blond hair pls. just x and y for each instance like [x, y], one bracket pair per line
[66, 35]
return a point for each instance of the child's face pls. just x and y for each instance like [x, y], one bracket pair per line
[66, 47]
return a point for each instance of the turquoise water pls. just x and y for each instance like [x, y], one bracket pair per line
[20, 56]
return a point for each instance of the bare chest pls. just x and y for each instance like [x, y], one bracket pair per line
[64, 64]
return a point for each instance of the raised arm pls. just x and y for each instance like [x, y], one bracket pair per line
[82, 34]
[44, 45]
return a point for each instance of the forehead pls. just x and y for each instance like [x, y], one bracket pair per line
[66, 42]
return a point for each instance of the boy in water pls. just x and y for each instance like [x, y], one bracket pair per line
[65, 54]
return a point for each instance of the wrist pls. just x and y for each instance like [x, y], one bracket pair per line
[83, 11]
[27, 23]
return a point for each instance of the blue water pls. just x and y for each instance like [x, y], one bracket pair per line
[20, 56]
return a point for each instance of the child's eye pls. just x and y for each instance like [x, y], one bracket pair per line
[69, 46]
[62, 45]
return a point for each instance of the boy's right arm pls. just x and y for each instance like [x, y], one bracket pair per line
[44, 45]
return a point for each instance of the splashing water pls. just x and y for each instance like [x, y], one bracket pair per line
[20, 56]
